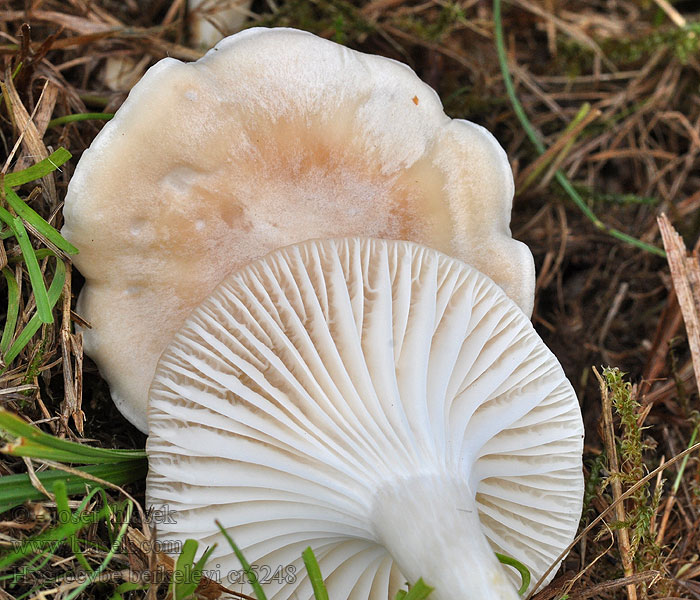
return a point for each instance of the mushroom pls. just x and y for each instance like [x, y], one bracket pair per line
[121, 72]
[211, 20]
[379, 401]
[274, 137]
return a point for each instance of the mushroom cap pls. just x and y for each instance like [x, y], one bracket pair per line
[316, 380]
[274, 137]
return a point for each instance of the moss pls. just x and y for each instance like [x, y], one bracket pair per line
[643, 504]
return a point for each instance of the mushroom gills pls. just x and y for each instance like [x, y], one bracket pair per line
[379, 401]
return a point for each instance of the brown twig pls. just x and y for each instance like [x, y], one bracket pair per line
[72, 405]
[615, 584]
[672, 13]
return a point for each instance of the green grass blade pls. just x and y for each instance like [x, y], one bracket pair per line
[534, 138]
[112, 551]
[65, 515]
[314, 571]
[38, 170]
[12, 310]
[23, 447]
[41, 559]
[580, 117]
[79, 117]
[41, 253]
[400, 595]
[520, 567]
[199, 565]
[182, 575]
[50, 538]
[188, 574]
[43, 550]
[40, 548]
[250, 574]
[35, 220]
[684, 463]
[123, 588]
[34, 323]
[34, 443]
[8, 219]
[18, 68]
[17, 489]
[41, 296]
[419, 590]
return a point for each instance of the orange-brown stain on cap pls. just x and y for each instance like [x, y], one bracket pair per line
[415, 100]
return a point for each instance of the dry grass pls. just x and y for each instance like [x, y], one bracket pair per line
[632, 155]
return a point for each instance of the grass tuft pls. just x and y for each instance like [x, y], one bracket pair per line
[114, 466]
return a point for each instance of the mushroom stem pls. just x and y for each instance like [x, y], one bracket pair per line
[430, 526]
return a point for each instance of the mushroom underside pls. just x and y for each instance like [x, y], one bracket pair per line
[379, 401]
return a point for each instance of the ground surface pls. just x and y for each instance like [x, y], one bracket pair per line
[627, 72]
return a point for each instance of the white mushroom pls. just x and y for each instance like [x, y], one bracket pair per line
[211, 20]
[121, 72]
[274, 137]
[379, 401]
